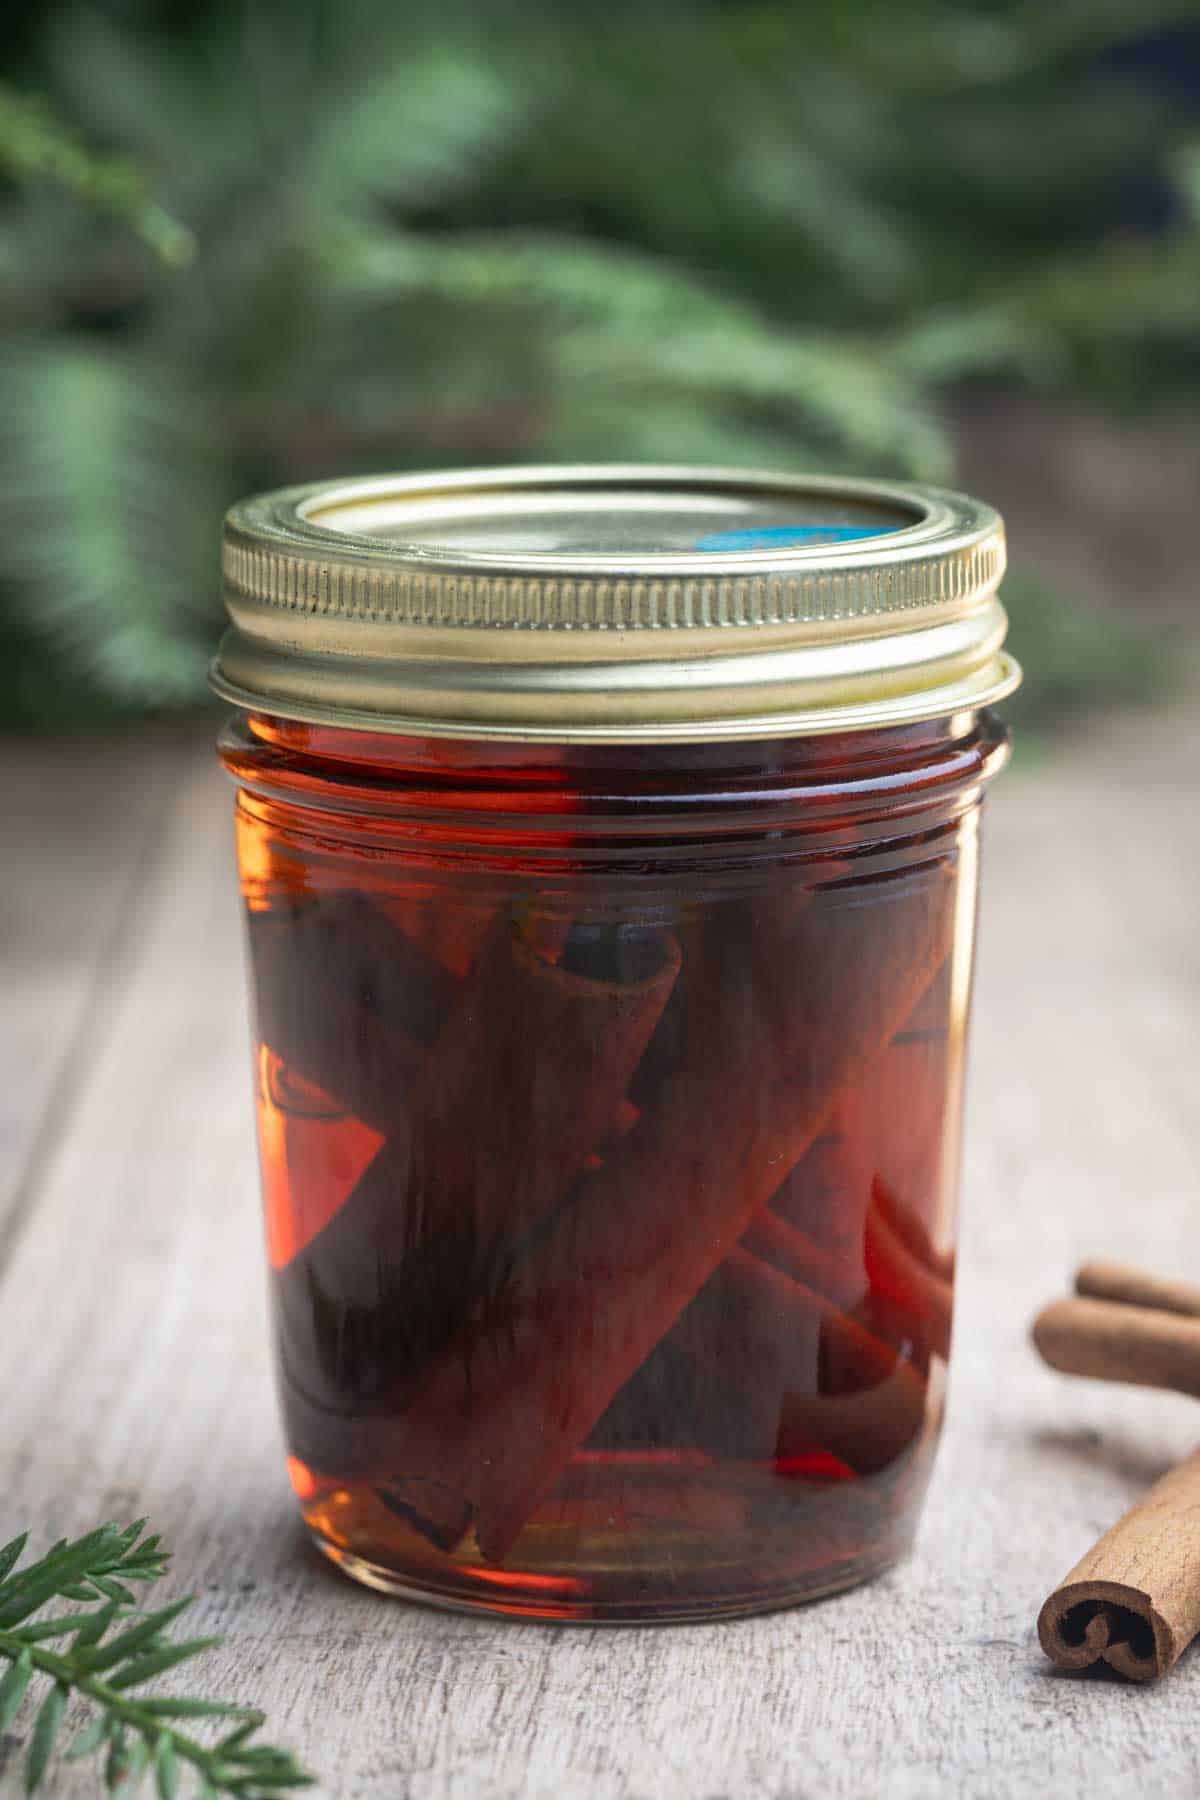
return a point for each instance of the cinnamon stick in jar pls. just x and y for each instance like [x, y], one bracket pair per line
[908, 1225]
[345, 998]
[787, 1027]
[907, 1105]
[801, 1375]
[815, 1196]
[347, 1002]
[898, 1273]
[527, 1077]
[750, 1335]
[869, 1194]
[1133, 1601]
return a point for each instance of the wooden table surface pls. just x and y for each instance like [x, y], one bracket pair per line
[136, 1378]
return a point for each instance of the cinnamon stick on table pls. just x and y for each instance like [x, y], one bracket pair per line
[1136, 1287]
[1134, 1600]
[1111, 1341]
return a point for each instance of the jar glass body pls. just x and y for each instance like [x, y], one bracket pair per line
[608, 1105]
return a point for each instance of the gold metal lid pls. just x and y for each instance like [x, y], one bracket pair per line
[613, 603]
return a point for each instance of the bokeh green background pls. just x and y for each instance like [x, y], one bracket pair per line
[242, 245]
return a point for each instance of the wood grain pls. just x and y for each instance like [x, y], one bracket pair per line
[80, 823]
[135, 1375]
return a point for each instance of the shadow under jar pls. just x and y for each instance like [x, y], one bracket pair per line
[609, 844]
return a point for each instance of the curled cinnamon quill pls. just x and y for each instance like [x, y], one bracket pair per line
[1133, 1601]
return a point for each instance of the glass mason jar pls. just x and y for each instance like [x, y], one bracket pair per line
[609, 844]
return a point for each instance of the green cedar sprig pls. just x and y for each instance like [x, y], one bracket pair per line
[100, 1652]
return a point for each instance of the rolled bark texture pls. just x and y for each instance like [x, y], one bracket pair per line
[1111, 1341]
[346, 999]
[1133, 1601]
[1101, 1280]
[526, 1078]
[496, 1422]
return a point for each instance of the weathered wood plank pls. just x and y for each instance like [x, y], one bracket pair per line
[79, 824]
[137, 1282]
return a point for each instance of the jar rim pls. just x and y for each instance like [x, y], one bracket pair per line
[613, 603]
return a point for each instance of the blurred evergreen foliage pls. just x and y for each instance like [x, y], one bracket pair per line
[249, 244]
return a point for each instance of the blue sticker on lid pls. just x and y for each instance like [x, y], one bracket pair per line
[784, 537]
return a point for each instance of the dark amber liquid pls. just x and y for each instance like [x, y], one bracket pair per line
[608, 1112]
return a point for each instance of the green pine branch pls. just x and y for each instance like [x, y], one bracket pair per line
[628, 324]
[110, 504]
[110, 1651]
[449, 233]
[34, 143]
